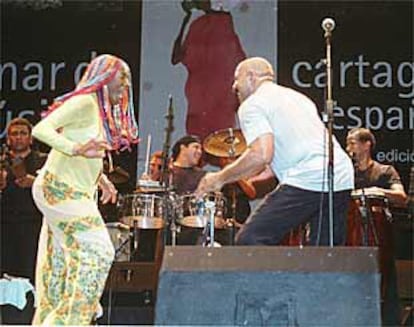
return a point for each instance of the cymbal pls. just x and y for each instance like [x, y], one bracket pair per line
[225, 143]
[118, 175]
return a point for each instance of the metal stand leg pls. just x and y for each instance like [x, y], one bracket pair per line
[208, 232]
[367, 221]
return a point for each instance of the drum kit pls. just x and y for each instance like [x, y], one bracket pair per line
[174, 219]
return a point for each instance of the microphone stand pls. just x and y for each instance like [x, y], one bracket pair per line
[329, 103]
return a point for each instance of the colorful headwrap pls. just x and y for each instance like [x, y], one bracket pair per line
[121, 128]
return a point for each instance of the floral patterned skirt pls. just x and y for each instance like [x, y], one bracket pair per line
[74, 256]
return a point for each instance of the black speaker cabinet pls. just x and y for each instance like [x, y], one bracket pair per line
[269, 286]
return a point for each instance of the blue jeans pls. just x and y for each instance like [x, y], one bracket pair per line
[287, 207]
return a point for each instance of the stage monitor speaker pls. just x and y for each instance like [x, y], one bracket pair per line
[269, 286]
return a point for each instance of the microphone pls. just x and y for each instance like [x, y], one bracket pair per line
[328, 25]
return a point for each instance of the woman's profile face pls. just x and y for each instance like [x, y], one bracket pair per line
[117, 86]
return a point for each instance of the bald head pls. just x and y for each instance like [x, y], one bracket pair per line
[260, 66]
[249, 75]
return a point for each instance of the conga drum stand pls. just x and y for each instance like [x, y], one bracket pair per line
[366, 221]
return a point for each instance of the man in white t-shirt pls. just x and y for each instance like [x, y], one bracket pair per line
[284, 132]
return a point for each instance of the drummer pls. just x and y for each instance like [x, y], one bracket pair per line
[186, 171]
[378, 179]
[155, 166]
[374, 177]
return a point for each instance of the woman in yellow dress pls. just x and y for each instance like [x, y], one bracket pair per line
[75, 251]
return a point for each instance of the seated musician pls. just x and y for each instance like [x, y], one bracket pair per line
[185, 169]
[374, 177]
[377, 179]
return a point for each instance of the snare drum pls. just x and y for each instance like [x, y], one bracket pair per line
[119, 234]
[189, 214]
[147, 210]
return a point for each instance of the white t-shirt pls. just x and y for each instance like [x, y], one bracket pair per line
[300, 147]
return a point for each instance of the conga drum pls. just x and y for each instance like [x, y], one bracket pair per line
[369, 224]
[298, 236]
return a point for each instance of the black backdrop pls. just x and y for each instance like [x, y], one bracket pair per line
[36, 42]
[376, 36]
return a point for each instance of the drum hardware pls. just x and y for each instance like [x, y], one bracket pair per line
[120, 237]
[148, 184]
[376, 231]
[171, 212]
[121, 247]
[147, 156]
[298, 236]
[207, 209]
[146, 209]
[135, 241]
[144, 216]
[228, 144]
[368, 214]
[151, 187]
[116, 174]
[386, 210]
[366, 218]
[189, 208]
[174, 229]
[165, 175]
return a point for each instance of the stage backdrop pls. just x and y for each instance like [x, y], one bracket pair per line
[43, 52]
[255, 25]
[46, 47]
[373, 68]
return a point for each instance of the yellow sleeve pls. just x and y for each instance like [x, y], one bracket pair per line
[72, 113]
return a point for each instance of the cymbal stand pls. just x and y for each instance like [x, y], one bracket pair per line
[231, 222]
[201, 214]
[208, 232]
[165, 169]
[172, 213]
